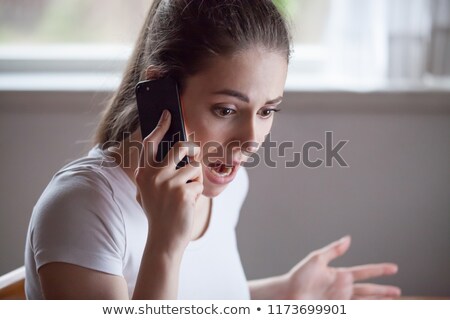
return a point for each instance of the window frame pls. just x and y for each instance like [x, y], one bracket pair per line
[87, 67]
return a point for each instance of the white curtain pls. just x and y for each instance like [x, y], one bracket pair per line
[439, 55]
[378, 40]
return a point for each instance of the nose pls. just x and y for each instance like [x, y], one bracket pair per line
[249, 136]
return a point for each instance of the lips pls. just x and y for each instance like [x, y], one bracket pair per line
[221, 169]
[221, 173]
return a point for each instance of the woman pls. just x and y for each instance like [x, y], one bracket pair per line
[116, 224]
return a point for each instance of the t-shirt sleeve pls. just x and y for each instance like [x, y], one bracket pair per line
[77, 221]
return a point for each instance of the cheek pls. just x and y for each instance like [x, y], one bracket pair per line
[195, 128]
[203, 134]
[203, 130]
[263, 129]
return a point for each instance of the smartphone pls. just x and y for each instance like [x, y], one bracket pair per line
[153, 96]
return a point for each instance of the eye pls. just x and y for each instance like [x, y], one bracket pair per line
[267, 113]
[223, 111]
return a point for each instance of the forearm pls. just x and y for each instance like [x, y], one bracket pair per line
[272, 288]
[158, 274]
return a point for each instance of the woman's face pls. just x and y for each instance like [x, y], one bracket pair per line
[228, 109]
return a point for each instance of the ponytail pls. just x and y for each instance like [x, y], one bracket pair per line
[120, 118]
[180, 37]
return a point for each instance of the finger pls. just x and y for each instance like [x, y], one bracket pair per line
[196, 188]
[179, 151]
[372, 290]
[342, 289]
[372, 270]
[190, 172]
[151, 142]
[198, 156]
[153, 72]
[335, 249]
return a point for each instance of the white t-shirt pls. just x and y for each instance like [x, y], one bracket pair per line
[88, 216]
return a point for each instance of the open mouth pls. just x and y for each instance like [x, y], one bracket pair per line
[220, 169]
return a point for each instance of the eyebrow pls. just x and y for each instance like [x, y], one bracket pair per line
[243, 97]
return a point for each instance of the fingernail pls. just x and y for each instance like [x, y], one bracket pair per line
[164, 116]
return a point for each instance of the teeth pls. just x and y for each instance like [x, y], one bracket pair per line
[226, 171]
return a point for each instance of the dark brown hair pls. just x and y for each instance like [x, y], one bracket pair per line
[179, 37]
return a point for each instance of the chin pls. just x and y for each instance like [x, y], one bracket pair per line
[212, 191]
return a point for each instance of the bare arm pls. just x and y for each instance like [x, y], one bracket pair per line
[157, 279]
[68, 281]
[158, 275]
[312, 278]
[169, 203]
[268, 289]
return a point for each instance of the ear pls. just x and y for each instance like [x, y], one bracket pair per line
[152, 72]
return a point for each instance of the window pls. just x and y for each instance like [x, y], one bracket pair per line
[70, 21]
[347, 43]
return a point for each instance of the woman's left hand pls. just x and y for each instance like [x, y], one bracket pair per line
[312, 278]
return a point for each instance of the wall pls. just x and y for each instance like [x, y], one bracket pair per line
[393, 198]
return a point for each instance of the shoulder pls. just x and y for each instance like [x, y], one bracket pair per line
[79, 194]
[77, 186]
[81, 182]
[77, 220]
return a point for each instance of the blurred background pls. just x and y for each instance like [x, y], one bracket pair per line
[374, 72]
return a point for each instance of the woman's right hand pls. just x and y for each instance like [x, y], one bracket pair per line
[164, 192]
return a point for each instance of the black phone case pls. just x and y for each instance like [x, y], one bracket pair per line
[153, 96]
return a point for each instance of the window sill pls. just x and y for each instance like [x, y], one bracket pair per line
[98, 68]
[109, 81]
